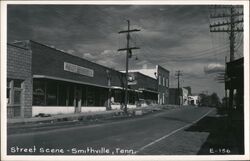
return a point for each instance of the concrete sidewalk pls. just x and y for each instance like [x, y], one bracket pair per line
[79, 116]
[59, 117]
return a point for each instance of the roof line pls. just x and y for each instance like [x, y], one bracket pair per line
[10, 44]
[72, 55]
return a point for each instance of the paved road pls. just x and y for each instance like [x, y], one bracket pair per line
[160, 133]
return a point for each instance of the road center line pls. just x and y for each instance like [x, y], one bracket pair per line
[173, 132]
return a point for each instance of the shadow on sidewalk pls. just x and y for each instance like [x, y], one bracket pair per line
[222, 139]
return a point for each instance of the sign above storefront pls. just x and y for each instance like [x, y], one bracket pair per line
[132, 82]
[78, 69]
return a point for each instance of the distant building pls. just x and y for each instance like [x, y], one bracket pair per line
[183, 97]
[193, 100]
[178, 97]
[173, 96]
[189, 90]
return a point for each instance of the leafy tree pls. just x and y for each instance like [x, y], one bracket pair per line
[214, 100]
[209, 100]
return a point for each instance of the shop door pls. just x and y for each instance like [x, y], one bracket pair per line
[78, 100]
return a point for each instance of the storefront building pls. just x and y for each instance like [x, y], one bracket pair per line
[19, 81]
[42, 79]
[147, 87]
[160, 76]
[163, 84]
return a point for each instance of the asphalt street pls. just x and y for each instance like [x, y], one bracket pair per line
[154, 134]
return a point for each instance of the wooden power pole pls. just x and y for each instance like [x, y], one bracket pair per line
[178, 74]
[128, 55]
[231, 25]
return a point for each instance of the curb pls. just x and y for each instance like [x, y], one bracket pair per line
[65, 117]
[139, 111]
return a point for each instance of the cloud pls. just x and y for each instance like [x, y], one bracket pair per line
[171, 35]
[107, 62]
[71, 51]
[88, 56]
[214, 68]
[108, 53]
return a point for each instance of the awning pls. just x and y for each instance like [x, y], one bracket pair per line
[80, 82]
[68, 80]
[117, 87]
[148, 90]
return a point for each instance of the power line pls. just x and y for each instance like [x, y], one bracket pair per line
[201, 53]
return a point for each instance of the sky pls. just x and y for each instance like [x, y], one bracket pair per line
[177, 37]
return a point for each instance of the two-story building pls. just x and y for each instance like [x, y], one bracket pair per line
[161, 75]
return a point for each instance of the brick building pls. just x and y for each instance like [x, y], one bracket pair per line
[161, 77]
[19, 81]
[146, 85]
[42, 79]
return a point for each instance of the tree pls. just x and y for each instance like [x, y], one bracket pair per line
[203, 99]
[209, 100]
[214, 100]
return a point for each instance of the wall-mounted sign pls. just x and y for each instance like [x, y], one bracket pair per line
[78, 69]
[131, 79]
[132, 83]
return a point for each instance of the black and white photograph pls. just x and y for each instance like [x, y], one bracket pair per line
[126, 80]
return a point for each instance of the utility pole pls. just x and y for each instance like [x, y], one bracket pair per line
[225, 79]
[128, 55]
[231, 25]
[231, 29]
[178, 74]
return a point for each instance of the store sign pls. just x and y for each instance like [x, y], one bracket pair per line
[132, 83]
[131, 79]
[78, 69]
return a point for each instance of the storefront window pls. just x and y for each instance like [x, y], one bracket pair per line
[97, 96]
[103, 95]
[39, 92]
[71, 96]
[62, 94]
[131, 97]
[117, 96]
[90, 96]
[84, 103]
[51, 94]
